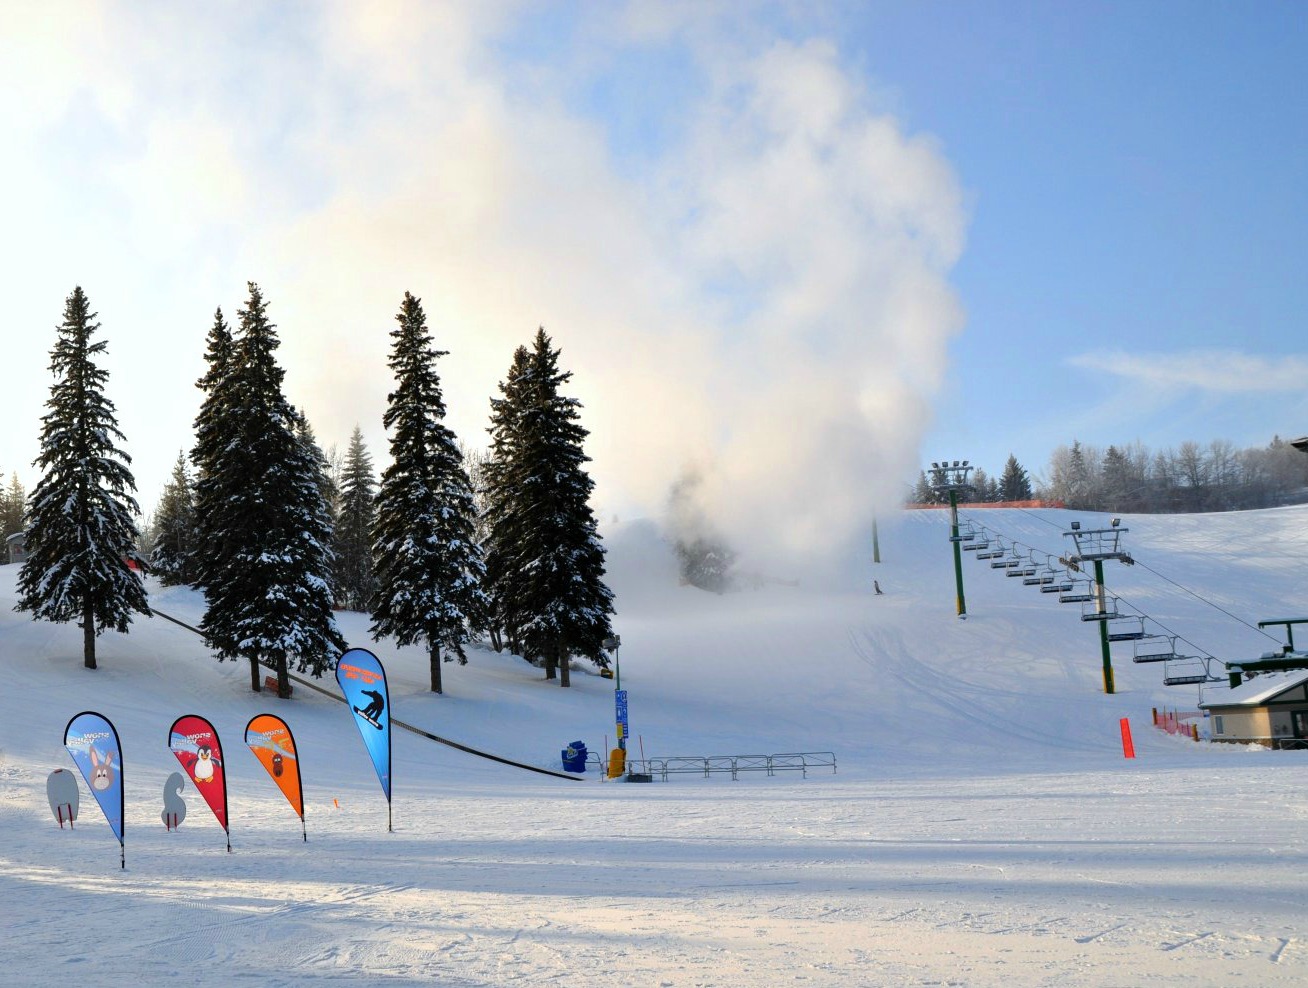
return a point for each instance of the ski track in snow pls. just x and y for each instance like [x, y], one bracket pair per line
[982, 829]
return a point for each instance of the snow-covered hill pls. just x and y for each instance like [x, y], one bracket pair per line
[982, 828]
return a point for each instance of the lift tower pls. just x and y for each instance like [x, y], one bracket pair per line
[953, 481]
[1094, 545]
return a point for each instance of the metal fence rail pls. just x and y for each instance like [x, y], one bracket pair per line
[733, 765]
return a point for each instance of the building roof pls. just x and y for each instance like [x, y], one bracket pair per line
[1255, 691]
[15, 537]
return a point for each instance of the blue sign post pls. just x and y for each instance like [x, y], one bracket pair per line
[620, 706]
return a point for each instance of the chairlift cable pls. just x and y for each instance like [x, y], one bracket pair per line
[1139, 611]
[1205, 600]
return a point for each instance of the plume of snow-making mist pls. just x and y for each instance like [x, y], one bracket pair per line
[765, 301]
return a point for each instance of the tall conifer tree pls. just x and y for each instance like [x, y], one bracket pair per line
[13, 506]
[172, 553]
[355, 577]
[551, 572]
[215, 431]
[80, 531]
[428, 564]
[269, 595]
[1014, 484]
[503, 521]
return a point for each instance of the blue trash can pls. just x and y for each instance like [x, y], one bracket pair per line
[574, 757]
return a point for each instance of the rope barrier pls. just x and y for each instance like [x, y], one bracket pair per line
[398, 723]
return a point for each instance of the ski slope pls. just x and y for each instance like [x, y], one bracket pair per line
[982, 828]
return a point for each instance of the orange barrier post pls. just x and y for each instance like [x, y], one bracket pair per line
[1128, 749]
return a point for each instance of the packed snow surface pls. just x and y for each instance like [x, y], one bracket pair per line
[982, 827]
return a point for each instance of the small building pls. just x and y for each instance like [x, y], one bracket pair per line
[16, 544]
[1269, 709]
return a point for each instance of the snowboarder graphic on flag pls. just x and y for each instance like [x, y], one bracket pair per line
[373, 710]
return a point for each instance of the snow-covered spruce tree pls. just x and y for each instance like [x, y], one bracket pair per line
[215, 430]
[502, 527]
[427, 561]
[13, 506]
[268, 593]
[326, 487]
[80, 531]
[552, 587]
[703, 555]
[355, 580]
[172, 548]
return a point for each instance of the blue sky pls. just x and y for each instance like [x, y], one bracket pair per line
[1134, 174]
[796, 250]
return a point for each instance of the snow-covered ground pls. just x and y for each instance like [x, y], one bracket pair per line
[983, 827]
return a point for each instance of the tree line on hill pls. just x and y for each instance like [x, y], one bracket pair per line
[276, 533]
[1134, 479]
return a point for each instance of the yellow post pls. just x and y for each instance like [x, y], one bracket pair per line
[617, 762]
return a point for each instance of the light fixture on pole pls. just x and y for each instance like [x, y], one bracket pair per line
[946, 479]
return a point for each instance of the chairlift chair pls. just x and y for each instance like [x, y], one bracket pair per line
[1107, 614]
[1076, 595]
[1190, 675]
[1128, 634]
[1155, 648]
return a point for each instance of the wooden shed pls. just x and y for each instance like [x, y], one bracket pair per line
[16, 545]
[1270, 709]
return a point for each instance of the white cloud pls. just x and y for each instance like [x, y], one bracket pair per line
[1216, 371]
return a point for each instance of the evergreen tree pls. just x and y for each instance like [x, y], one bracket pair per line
[355, 579]
[1117, 482]
[704, 557]
[172, 547]
[1014, 485]
[215, 430]
[428, 565]
[13, 506]
[552, 588]
[1079, 481]
[502, 521]
[268, 593]
[922, 490]
[327, 487]
[80, 531]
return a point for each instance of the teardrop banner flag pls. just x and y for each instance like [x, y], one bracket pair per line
[363, 681]
[93, 743]
[270, 739]
[195, 743]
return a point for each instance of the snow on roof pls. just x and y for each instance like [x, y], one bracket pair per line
[1255, 691]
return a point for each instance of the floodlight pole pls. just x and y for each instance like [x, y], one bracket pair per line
[952, 479]
[876, 544]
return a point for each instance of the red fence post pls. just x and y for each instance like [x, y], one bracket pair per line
[1128, 749]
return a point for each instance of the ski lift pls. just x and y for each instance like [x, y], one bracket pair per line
[975, 546]
[1134, 632]
[1078, 593]
[1195, 669]
[1108, 613]
[1155, 648]
[1022, 571]
[1005, 563]
[991, 554]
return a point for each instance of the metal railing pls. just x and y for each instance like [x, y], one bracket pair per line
[733, 765]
